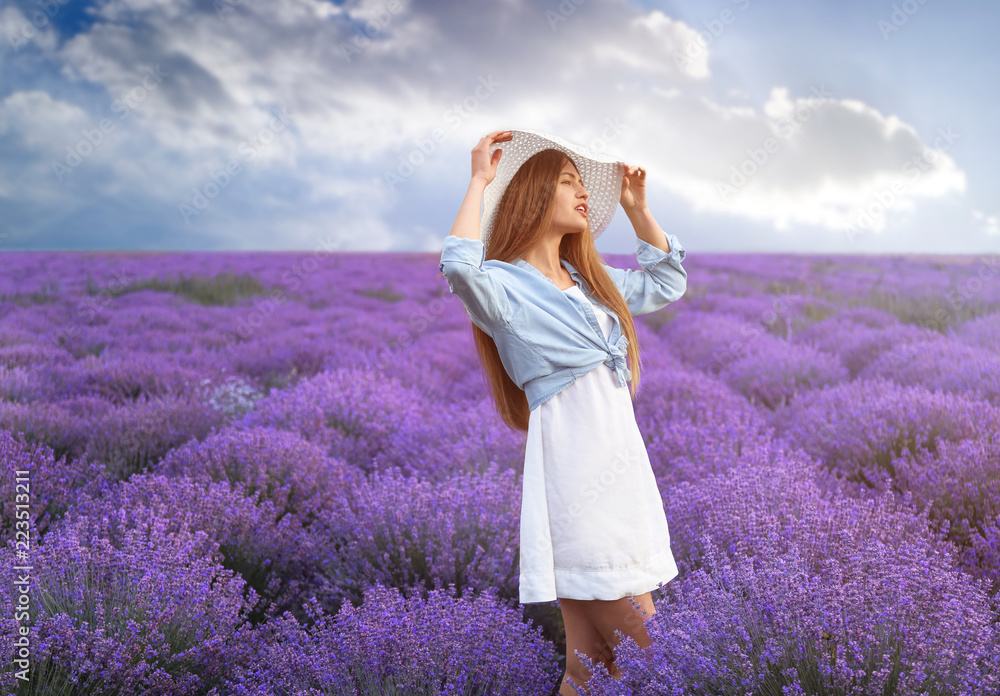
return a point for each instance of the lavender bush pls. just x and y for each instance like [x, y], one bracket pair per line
[126, 439]
[65, 426]
[53, 486]
[152, 614]
[941, 365]
[405, 532]
[961, 482]
[694, 424]
[395, 644]
[271, 550]
[319, 429]
[130, 439]
[120, 379]
[18, 383]
[859, 427]
[860, 346]
[285, 469]
[779, 372]
[794, 591]
[371, 421]
[983, 331]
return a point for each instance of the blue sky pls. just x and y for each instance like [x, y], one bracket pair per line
[818, 127]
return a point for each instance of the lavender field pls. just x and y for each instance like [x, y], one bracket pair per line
[281, 473]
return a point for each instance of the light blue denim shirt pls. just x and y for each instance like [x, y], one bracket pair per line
[546, 337]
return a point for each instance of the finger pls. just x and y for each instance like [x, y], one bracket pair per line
[489, 138]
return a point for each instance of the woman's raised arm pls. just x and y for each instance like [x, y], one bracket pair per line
[484, 169]
[462, 258]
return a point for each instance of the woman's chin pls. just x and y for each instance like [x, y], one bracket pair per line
[576, 229]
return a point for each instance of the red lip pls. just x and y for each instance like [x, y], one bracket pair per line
[585, 209]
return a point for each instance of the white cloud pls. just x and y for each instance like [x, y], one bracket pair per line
[22, 33]
[40, 120]
[656, 44]
[46, 127]
[818, 160]
[355, 113]
[991, 227]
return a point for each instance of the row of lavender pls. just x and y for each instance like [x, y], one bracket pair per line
[242, 478]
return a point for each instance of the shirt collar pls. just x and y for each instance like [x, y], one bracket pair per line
[572, 269]
[574, 274]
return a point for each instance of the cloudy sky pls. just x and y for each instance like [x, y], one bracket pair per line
[792, 126]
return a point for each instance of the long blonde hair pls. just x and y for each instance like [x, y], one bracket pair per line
[523, 216]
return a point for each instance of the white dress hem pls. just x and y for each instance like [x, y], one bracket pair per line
[579, 584]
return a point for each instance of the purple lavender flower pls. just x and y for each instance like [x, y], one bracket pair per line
[275, 554]
[393, 643]
[152, 613]
[694, 424]
[126, 439]
[121, 378]
[408, 531]
[983, 331]
[284, 468]
[941, 365]
[53, 485]
[859, 427]
[961, 491]
[778, 372]
[785, 589]
[373, 422]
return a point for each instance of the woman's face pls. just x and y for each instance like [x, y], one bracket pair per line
[570, 194]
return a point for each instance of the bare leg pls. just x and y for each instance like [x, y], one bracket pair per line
[590, 628]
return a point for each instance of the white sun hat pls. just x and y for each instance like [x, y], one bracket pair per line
[601, 175]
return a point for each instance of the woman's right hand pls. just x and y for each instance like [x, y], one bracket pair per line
[483, 165]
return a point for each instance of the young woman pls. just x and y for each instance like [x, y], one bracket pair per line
[553, 328]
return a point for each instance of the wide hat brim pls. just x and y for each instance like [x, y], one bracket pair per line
[601, 175]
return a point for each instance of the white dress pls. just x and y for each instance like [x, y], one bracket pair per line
[592, 520]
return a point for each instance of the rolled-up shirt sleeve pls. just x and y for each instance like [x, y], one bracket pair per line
[661, 280]
[480, 288]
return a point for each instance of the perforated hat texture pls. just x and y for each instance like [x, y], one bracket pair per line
[601, 175]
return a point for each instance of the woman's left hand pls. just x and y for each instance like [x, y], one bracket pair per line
[633, 188]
